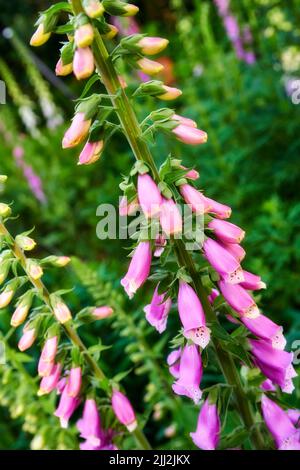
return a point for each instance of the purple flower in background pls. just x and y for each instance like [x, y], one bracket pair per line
[33, 180]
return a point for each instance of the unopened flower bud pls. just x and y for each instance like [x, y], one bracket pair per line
[22, 309]
[170, 93]
[113, 31]
[77, 131]
[123, 410]
[102, 312]
[93, 8]
[27, 339]
[5, 210]
[84, 35]
[83, 63]
[33, 269]
[24, 242]
[152, 45]
[3, 179]
[61, 69]
[183, 120]
[4, 268]
[61, 261]
[118, 8]
[40, 36]
[190, 135]
[149, 67]
[61, 310]
[91, 153]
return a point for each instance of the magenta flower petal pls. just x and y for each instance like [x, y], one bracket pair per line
[158, 310]
[190, 374]
[207, 434]
[139, 269]
[223, 262]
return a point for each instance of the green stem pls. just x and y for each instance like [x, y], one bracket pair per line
[132, 130]
[68, 328]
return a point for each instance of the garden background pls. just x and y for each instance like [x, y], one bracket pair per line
[241, 98]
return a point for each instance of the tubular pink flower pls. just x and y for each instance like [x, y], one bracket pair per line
[275, 364]
[158, 310]
[286, 436]
[223, 262]
[239, 299]
[149, 196]
[77, 132]
[194, 198]
[62, 70]
[128, 208]
[90, 153]
[174, 363]
[237, 251]
[192, 315]
[67, 406]
[170, 217]
[89, 425]
[50, 349]
[221, 211]
[27, 339]
[50, 383]
[84, 35]
[123, 410]
[226, 231]
[102, 312]
[190, 374]
[252, 282]
[83, 63]
[190, 135]
[138, 270]
[264, 328]
[152, 45]
[208, 430]
[183, 120]
[74, 382]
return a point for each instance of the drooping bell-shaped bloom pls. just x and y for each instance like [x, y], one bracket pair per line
[139, 269]
[252, 282]
[192, 315]
[236, 250]
[207, 434]
[170, 217]
[62, 70]
[223, 262]
[152, 45]
[123, 410]
[262, 327]
[170, 93]
[226, 231]
[74, 382]
[194, 198]
[90, 153]
[174, 363]
[184, 121]
[93, 8]
[158, 310]
[149, 67]
[40, 36]
[285, 434]
[149, 196]
[77, 132]
[83, 63]
[221, 211]
[89, 425]
[27, 339]
[102, 312]
[275, 364]
[50, 349]
[50, 382]
[239, 299]
[84, 35]
[190, 374]
[268, 386]
[294, 416]
[190, 135]
[67, 406]
[22, 310]
[128, 207]
[45, 368]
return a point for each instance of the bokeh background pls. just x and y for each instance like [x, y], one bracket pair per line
[237, 70]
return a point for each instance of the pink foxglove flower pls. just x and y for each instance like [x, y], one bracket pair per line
[226, 231]
[275, 364]
[89, 425]
[77, 132]
[83, 63]
[170, 93]
[252, 282]
[74, 382]
[44, 368]
[67, 406]
[149, 196]
[149, 67]
[50, 349]
[27, 339]
[158, 310]
[221, 211]
[184, 121]
[62, 70]
[207, 435]
[223, 262]
[152, 45]
[174, 363]
[191, 174]
[268, 386]
[194, 198]
[50, 383]
[102, 312]
[236, 250]
[190, 374]
[190, 135]
[264, 328]
[192, 315]
[123, 410]
[91, 152]
[170, 217]
[128, 207]
[139, 269]
[62, 312]
[285, 434]
[84, 35]
[239, 299]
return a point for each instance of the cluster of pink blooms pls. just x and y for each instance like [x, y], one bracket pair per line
[240, 40]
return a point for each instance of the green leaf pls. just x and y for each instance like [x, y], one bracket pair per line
[89, 84]
[234, 439]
